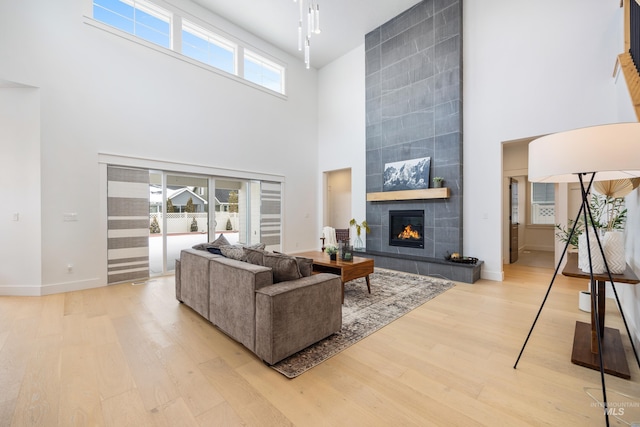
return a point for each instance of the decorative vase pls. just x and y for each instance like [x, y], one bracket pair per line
[333, 257]
[357, 244]
[437, 184]
[597, 262]
[613, 244]
[584, 301]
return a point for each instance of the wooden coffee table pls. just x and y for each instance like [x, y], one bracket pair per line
[347, 270]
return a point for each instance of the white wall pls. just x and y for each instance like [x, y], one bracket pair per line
[20, 256]
[341, 137]
[526, 75]
[100, 93]
[630, 294]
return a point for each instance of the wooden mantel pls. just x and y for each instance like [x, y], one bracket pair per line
[428, 193]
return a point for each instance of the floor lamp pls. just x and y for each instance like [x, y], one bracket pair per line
[598, 153]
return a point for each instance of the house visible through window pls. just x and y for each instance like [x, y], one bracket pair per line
[543, 209]
[140, 18]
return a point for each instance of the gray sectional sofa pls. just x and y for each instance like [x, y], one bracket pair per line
[272, 319]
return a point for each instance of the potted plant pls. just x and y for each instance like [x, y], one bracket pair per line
[332, 251]
[608, 213]
[358, 245]
[609, 218]
[437, 181]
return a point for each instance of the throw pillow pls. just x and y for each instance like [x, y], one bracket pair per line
[221, 240]
[254, 256]
[284, 267]
[215, 251]
[232, 251]
[305, 265]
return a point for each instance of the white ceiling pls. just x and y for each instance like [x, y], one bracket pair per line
[343, 22]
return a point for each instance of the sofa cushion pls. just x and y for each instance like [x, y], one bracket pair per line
[220, 241]
[284, 267]
[233, 251]
[305, 265]
[254, 256]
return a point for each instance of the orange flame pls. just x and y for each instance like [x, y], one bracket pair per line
[409, 233]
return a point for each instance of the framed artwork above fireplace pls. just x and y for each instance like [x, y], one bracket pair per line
[410, 174]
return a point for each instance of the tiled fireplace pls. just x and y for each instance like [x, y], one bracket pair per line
[414, 112]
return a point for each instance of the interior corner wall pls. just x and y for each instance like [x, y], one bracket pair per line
[630, 294]
[102, 93]
[20, 217]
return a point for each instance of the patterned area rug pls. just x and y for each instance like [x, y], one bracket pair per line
[393, 294]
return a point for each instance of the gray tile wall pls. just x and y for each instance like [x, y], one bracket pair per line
[414, 109]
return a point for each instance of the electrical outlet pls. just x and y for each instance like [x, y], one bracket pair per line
[69, 268]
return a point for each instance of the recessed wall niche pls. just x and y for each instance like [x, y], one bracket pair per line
[414, 110]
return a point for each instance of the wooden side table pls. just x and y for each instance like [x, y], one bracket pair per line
[585, 340]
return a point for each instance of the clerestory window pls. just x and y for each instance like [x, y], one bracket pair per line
[140, 18]
[146, 20]
[263, 72]
[207, 47]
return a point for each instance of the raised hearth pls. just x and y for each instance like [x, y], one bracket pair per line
[466, 273]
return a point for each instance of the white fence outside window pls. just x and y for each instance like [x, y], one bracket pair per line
[180, 222]
[543, 214]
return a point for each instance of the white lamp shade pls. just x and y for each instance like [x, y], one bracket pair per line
[612, 150]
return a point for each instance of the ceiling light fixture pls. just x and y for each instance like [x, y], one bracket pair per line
[312, 22]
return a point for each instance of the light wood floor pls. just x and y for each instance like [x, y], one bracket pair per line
[130, 355]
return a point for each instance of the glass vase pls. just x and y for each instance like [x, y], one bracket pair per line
[358, 245]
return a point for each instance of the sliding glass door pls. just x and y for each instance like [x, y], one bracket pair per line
[155, 214]
[178, 217]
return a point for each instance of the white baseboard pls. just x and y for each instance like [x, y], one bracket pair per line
[54, 288]
[496, 276]
[543, 248]
[20, 290]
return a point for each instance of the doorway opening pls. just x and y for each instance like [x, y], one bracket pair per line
[526, 239]
[337, 203]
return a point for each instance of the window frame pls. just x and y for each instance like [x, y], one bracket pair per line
[532, 203]
[149, 8]
[210, 38]
[265, 63]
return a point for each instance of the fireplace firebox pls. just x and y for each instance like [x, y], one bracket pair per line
[406, 228]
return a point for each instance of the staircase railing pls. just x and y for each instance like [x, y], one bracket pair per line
[629, 61]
